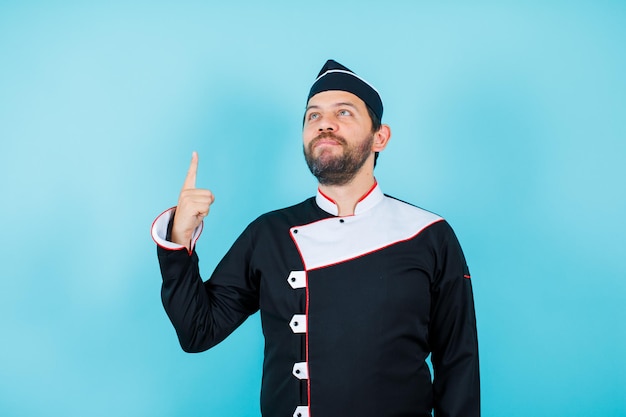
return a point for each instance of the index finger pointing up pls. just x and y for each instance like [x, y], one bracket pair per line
[190, 180]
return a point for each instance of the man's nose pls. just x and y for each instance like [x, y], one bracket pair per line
[328, 124]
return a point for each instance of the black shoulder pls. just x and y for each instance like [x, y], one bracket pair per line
[302, 213]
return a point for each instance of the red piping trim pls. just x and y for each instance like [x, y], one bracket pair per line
[157, 218]
[306, 349]
[193, 243]
[466, 276]
[306, 314]
[326, 197]
[369, 192]
[152, 229]
[363, 197]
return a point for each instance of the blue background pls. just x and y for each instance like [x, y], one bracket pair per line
[508, 119]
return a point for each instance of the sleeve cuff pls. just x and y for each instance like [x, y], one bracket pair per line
[159, 231]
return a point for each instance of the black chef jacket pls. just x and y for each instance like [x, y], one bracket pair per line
[350, 308]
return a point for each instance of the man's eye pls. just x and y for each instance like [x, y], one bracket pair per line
[345, 113]
[313, 116]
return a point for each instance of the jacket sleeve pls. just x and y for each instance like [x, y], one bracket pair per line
[205, 313]
[453, 335]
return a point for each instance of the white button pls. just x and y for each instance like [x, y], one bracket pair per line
[301, 370]
[297, 279]
[298, 323]
[301, 411]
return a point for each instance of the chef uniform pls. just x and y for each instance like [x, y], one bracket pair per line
[351, 306]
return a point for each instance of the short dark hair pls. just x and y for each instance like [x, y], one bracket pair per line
[376, 124]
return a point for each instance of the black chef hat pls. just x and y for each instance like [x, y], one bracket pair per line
[335, 76]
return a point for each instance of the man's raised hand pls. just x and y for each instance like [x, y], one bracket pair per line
[193, 206]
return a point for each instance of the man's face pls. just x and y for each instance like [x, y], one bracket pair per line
[337, 136]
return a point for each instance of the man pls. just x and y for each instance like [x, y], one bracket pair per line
[355, 288]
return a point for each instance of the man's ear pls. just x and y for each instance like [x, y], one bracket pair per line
[381, 138]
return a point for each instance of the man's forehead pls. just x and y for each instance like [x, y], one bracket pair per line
[333, 98]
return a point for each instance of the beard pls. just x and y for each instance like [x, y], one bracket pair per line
[337, 169]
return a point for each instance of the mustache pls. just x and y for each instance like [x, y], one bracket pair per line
[327, 135]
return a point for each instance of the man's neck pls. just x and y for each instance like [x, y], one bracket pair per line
[348, 195]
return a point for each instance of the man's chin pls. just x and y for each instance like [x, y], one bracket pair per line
[326, 154]
[325, 162]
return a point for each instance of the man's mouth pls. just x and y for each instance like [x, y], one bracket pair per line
[327, 139]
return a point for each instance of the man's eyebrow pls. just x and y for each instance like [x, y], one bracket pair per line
[311, 107]
[340, 104]
[345, 103]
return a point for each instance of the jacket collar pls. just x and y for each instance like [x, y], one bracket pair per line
[366, 202]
